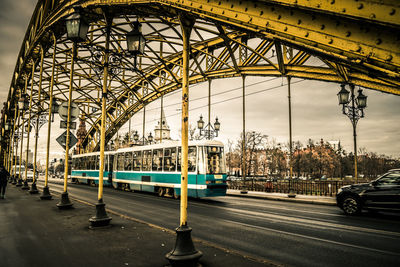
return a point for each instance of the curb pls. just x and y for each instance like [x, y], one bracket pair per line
[305, 201]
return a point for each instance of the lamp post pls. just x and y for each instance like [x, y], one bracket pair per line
[77, 28]
[142, 141]
[209, 131]
[354, 111]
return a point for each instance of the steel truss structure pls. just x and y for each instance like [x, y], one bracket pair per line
[338, 41]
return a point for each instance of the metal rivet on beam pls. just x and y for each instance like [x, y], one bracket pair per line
[389, 58]
[378, 41]
[392, 12]
[348, 34]
[360, 6]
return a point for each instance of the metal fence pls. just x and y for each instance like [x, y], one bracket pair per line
[319, 188]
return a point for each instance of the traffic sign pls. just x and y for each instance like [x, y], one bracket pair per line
[72, 125]
[63, 111]
[62, 140]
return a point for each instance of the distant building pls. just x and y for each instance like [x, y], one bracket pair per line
[334, 144]
[30, 156]
[162, 129]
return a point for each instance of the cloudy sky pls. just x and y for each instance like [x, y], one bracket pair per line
[315, 110]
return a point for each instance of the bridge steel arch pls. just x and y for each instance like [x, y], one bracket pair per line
[337, 41]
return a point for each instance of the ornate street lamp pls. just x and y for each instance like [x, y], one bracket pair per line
[135, 41]
[150, 138]
[200, 123]
[354, 111]
[77, 27]
[217, 125]
[23, 102]
[209, 131]
[136, 136]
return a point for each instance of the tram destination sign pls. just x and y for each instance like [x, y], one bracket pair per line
[62, 140]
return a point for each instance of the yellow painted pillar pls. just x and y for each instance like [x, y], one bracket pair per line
[25, 186]
[65, 203]
[39, 109]
[103, 112]
[186, 30]
[101, 218]
[183, 240]
[46, 192]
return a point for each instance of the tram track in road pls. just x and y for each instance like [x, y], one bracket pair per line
[261, 228]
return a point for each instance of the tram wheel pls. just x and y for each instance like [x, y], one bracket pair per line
[160, 192]
[175, 195]
[115, 185]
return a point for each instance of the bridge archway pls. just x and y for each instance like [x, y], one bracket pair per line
[229, 39]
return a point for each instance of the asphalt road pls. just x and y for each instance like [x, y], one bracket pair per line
[290, 234]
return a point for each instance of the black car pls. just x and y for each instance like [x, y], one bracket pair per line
[381, 194]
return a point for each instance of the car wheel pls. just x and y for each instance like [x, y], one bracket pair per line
[351, 205]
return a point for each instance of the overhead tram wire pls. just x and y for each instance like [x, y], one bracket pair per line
[226, 100]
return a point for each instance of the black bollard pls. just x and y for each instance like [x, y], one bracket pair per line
[25, 186]
[184, 253]
[65, 203]
[33, 189]
[46, 194]
[101, 219]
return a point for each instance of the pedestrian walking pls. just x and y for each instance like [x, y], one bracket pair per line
[3, 181]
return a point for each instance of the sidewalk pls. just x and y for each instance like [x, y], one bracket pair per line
[322, 200]
[35, 232]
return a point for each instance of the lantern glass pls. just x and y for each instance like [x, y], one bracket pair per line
[135, 40]
[150, 138]
[54, 107]
[361, 99]
[343, 96]
[77, 27]
[200, 123]
[217, 124]
[136, 137]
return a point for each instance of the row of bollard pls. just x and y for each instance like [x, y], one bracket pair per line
[183, 254]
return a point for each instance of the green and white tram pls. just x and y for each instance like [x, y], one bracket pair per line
[157, 168]
[85, 168]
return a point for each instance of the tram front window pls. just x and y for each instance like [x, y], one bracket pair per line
[215, 160]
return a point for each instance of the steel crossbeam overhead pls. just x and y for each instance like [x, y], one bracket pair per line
[338, 41]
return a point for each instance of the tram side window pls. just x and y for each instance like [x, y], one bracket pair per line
[191, 159]
[90, 160]
[170, 159]
[128, 161]
[111, 163]
[97, 162]
[157, 159]
[137, 160]
[146, 160]
[120, 162]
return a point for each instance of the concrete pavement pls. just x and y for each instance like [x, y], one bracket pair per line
[35, 232]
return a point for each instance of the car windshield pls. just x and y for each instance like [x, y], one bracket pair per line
[389, 179]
